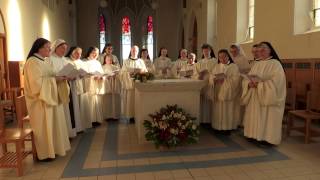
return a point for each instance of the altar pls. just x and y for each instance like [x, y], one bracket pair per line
[152, 95]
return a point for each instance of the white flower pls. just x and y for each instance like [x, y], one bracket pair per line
[179, 115]
[172, 112]
[183, 127]
[179, 124]
[183, 117]
[175, 115]
[194, 127]
[172, 131]
[164, 117]
[153, 124]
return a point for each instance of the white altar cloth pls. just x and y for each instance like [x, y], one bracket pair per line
[152, 95]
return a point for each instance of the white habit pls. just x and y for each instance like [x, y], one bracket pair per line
[225, 105]
[127, 85]
[265, 104]
[46, 114]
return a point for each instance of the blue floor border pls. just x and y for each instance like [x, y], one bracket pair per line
[74, 167]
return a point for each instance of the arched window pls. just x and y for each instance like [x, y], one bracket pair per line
[245, 20]
[102, 32]
[150, 36]
[316, 12]
[251, 19]
[126, 37]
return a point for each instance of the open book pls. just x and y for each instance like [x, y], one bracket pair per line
[70, 71]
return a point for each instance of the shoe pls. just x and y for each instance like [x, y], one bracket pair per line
[45, 160]
[132, 121]
[96, 124]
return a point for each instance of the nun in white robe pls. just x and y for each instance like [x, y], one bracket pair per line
[79, 106]
[58, 61]
[201, 71]
[93, 85]
[162, 67]
[47, 118]
[225, 84]
[264, 95]
[112, 88]
[147, 61]
[240, 58]
[180, 65]
[107, 50]
[130, 66]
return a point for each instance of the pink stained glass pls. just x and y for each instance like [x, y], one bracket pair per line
[102, 26]
[125, 25]
[150, 24]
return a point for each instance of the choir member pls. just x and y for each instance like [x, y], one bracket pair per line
[144, 55]
[239, 58]
[46, 112]
[79, 105]
[111, 99]
[58, 61]
[163, 63]
[190, 66]
[225, 82]
[93, 86]
[107, 50]
[264, 94]
[192, 58]
[244, 67]
[180, 65]
[201, 71]
[130, 66]
[255, 50]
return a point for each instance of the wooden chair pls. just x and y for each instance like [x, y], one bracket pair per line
[22, 115]
[7, 99]
[310, 114]
[18, 136]
[290, 103]
[10, 95]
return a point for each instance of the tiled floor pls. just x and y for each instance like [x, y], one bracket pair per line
[111, 152]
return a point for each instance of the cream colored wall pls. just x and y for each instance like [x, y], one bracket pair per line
[274, 22]
[32, 14]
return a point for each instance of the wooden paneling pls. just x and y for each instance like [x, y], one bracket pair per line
[303, 75]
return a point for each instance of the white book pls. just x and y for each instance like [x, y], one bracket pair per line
[70, 71]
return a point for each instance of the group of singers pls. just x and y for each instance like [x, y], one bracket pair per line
[238, 92]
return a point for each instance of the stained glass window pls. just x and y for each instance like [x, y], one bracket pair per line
[149, 42]
[102, 32]
[126, 37]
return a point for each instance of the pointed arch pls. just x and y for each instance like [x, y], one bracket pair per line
[147, 26]
[126, 38]
[193, 33]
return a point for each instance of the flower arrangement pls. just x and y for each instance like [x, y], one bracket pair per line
[143, 77]
[171, 127]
